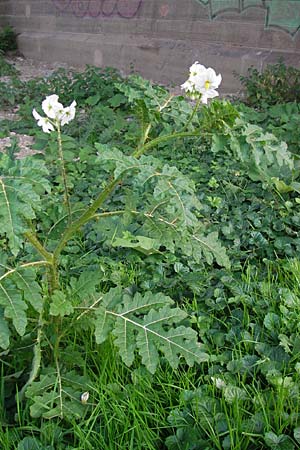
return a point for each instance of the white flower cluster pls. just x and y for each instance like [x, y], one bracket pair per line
[202, 82]
[55, 112]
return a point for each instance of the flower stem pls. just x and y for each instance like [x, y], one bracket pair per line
[63, 172]
[90, 212]
[193, 113]
[53, 278]
[36, 361]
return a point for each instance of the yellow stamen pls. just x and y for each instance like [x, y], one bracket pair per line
[207, 84]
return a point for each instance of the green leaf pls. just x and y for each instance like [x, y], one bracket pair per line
[60, 305]
[18, 287]
[93, 100]
[30, 443]
[143, 244]
[297, 434]
[21, 183]
[58, 395]
[14, 306]
[272, 321]
[211, 248]
[148, 325]
[115, 160]
[281, 442]
[4, 332]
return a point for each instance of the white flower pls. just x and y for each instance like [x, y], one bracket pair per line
[51, 107]
[195, 70]
[55, 112]
[43, 122]
[202, 82]
[206, 83]
[68, 113]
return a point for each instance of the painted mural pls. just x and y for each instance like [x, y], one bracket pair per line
[96, 8]
[284, 14]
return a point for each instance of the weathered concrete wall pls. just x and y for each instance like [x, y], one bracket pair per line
[159, 38]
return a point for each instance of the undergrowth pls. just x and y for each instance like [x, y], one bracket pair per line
[240, 188]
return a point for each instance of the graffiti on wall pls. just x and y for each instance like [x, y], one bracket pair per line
[96, 8]
[284, 14]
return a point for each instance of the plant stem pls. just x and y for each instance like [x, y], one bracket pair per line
[36, 361]
[53, 278]
[85, 217]
[193, 113]
[90, 212]
[38, 246]
[63, 172]
[139, 151]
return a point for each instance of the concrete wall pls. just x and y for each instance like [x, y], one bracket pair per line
[160, 38]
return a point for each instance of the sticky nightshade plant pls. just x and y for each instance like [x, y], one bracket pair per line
[156, 203]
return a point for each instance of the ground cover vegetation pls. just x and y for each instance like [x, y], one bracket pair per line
[149, 279]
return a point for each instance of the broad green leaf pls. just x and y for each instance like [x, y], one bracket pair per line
[211, 248]
[272, 321]
[30, 443]
[148, 325]
[297, 434]
[60, 305]
[84, 286]
[281, 442]
[53, 397]
[21, 183]
[4, 332]
[18, 287]
[116, 160]
[11, 299]
[142, 244]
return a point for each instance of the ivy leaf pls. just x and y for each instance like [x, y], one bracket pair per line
[60, 305]
[148, 325]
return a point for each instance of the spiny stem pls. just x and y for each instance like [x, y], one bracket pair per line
[139, 151]
[32, 238]
[193, 113]
[36, 361]
[63, 172]
[85, 217]
[53, 278]
[89, 213]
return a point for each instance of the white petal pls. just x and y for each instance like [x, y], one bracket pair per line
[36, 114]
[51, 106]
[204, 99]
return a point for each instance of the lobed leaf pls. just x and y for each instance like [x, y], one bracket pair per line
[21, 184]
[148, 325]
